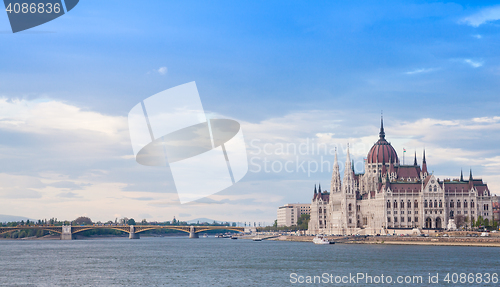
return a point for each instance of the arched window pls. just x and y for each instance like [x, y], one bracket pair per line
[320, 210]
[408, 204]
[350, 208]
[388, 204]
[395, 219]
[395, 204]
[459, 204]
[435, 203]
[415, 204]
[430, 188]
[440, 203]
[472, 203]
[350, 221]
[425, 203]
[465, 203]
[452, 205]
[402, 204]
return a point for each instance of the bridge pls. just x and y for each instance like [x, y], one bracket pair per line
[67, 232]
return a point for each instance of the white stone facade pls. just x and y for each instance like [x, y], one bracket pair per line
[394, 196]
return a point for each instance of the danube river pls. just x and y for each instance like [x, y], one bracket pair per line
[179, 261]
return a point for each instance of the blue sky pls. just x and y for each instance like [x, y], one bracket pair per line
[286, 71]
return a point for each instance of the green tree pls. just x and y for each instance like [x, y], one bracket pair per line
[303, 221]
[131, 221]
[479, 221]
[275, 224]
[82, 220]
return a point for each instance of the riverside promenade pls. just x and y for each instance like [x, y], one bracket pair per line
[438, 239]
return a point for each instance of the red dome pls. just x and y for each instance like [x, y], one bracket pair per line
[382, 151]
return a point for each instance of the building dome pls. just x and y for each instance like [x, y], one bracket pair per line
[382, 151]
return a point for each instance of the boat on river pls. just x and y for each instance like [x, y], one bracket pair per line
[319, 239]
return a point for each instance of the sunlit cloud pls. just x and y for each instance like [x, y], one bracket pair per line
[421, 71]
[472, 63]
[162, 70]
[483, 16]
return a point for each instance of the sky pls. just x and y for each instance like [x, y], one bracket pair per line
[292, 73]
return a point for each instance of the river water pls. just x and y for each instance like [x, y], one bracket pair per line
[179, 261]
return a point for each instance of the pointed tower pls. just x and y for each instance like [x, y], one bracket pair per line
[382, 133]
[415, 161]
[348, 181]
[319, 189]
[315, 189]
[470, 176]
[335, 185]
[424, 167]
[461, 175]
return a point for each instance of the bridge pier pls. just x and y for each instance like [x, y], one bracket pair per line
[132, 234]
[192, 233]
[66, 233]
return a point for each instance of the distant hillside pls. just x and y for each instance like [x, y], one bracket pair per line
[10, 218]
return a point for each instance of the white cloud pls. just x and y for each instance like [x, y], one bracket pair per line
[485, 15]
[420, 71]
[50, 116]
[472, 63]
[162, 70]
[477, 36]
[62, 176]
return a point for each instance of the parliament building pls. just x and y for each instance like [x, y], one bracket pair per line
[390, 196]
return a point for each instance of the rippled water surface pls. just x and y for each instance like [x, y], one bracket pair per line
[223, 262]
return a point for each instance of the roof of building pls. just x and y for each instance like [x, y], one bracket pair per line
[382, 151]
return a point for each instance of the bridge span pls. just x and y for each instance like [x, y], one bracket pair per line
[67, 232]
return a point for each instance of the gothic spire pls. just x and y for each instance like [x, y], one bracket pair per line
[470, 175]
[461, 175]
[348, 182]
[319, 188]
[382, 133]
[315, 189]
[335, 185]
[424, 166]
[415, 161]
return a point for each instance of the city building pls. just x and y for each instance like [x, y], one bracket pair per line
[390, 196]
[496, 208]
[288, 214]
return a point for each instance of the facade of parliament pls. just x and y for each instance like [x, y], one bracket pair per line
[390, 195]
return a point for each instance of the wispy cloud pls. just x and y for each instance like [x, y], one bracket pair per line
[421, 71]
[472, 63]
[162, 70]
[485, 15]
[477, 36]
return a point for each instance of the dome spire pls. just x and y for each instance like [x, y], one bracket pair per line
[382, 133]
